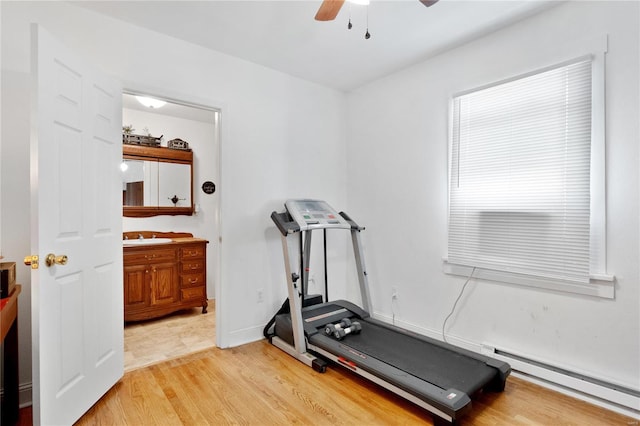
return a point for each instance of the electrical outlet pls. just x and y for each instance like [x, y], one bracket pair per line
[260, 295]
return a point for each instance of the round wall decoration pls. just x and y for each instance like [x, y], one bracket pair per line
[209, 187]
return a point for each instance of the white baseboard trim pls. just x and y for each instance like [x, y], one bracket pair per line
[244, 336]
[25, 394]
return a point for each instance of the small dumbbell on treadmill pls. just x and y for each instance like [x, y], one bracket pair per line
[341, 329]
[331, 329]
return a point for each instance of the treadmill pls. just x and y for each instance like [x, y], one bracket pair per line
[435, 375]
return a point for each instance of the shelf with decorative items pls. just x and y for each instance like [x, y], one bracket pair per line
[129, 138]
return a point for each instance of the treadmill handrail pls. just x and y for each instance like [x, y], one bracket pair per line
[351, 222]
[285, 223]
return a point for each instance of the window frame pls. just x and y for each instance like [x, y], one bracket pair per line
[601, 284]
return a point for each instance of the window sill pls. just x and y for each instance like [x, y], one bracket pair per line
[602, 286]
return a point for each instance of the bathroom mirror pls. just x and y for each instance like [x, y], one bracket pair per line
[156, 181]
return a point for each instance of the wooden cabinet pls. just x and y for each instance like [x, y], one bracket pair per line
[192, 272]
[163, 278]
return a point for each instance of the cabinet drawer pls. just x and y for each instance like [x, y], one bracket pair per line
[192, 280]
[192, 252]
[138, 257]
[192, 293]
[192, 266]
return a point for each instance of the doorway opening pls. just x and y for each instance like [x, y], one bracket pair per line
[183, 332]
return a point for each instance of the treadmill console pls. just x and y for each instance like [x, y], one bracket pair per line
[315, 214]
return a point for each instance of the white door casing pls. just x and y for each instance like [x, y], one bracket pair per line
[77, 308]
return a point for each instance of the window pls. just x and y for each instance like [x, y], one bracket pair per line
[522, 180]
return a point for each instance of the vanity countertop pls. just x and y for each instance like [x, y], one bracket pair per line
[183, 240]
[176, 237]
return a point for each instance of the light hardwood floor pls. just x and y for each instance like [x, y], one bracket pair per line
[257, 384]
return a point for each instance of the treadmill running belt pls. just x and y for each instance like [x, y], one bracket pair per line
[442, 367]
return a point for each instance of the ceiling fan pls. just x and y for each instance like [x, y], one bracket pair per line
[329, 9]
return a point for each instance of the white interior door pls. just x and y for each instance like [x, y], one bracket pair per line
[77, 308]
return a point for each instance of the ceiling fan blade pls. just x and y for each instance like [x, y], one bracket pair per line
[329, 10]
[428, 3]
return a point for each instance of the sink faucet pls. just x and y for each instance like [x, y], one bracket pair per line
[140, 237]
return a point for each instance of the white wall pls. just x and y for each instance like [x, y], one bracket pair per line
[398, 129]
[285, 138]
[202, 139]
[281, 137]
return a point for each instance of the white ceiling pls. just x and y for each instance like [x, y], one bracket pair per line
[284, 36]
[171, 109]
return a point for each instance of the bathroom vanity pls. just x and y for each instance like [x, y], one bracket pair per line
[164, 272]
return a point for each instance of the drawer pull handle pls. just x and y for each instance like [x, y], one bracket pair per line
[192, 281]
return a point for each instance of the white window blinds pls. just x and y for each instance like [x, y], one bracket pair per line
[519, 188]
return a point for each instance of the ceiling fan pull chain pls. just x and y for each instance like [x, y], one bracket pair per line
[367, 36]
[350, 25]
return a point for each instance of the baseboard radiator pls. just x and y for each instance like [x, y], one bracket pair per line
[620, 398]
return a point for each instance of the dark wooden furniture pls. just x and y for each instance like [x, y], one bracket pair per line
[9, 332]
[133, 195]
[163, 278]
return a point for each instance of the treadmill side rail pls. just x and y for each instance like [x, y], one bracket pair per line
[448, 404]
[306, 358]
[295, 304]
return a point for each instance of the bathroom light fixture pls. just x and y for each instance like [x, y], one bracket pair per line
[150, 102]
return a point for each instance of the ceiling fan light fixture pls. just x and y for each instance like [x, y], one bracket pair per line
[150, 102]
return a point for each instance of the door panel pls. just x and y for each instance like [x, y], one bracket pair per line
[164, 284]
[135, 282]
[77, 308]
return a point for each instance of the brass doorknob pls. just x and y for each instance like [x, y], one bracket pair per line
[52, 259]
[31, 260]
